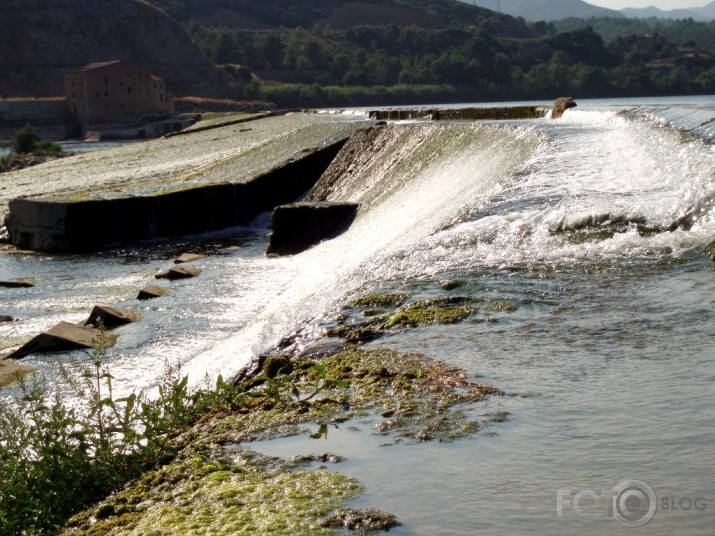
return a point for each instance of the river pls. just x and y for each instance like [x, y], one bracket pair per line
[606, 356]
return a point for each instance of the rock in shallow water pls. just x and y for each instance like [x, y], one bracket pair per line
[64, 337]
[368, 519]
[17, 283]
[150, 292]
[178, 272]
[110, 316]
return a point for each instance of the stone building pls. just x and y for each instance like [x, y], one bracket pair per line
[116, 93]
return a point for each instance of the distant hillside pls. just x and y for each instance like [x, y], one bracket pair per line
[546, 10]
[40, 39]
[648, 12]
[341, 14]
[707, 11]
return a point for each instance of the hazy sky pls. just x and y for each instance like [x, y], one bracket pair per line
[662, 4]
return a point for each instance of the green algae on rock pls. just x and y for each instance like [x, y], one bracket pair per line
[361, 520]
[425, 313]
[214, 493]
[501, 306]
[419, 313]
[379, 300]
[217, 486]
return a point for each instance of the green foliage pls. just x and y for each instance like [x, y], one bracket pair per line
[47, 148]
[282, 390]
[5, 162]
[57, 458]
[24, 140]
[367, 65]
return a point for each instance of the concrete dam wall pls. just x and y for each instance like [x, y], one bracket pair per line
[172, 187]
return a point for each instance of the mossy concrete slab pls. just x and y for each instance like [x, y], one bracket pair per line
[170, 187]
[298, 226]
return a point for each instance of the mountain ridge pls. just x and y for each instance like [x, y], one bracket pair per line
[546, 10]
[41, 39]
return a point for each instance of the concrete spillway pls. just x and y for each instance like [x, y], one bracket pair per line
[171, 187]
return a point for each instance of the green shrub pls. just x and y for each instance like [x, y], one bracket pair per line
[47, 148]
[5, 162]
[24, 140]
[58, 458]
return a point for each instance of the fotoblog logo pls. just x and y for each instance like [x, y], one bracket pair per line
[633, 503]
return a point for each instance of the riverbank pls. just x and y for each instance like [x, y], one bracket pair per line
[466, 213]
[17, 162]
[213, 480]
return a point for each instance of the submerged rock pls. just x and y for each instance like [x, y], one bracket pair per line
[379, 300]
[110, 316]
[189, 257]
[65, 337]
[428, 312]
[6, 318]
[10, 371]
[17, 283]
[363, 520]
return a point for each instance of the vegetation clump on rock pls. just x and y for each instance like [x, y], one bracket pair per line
[388, 312]
[183, 450]
[29, 150]
[428, 312]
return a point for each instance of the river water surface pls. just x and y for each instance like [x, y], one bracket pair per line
[606, 354]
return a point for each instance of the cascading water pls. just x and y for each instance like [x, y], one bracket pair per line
[594, 226]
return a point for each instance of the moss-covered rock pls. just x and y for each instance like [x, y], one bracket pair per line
[501, 306]
[214, 493]
[277, 364]
[379, 300]
[368, 519]
[217, 486]
[428, 312]
[356, 333]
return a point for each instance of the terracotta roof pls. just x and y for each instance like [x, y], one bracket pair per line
[97, 65]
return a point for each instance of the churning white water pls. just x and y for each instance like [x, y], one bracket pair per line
[595, 225]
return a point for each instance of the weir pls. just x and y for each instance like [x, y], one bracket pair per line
[191, 184]
[461, 114]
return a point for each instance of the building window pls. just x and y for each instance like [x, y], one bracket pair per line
[106, 80]
[97, 95]
[106, 93]
[129, 89]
